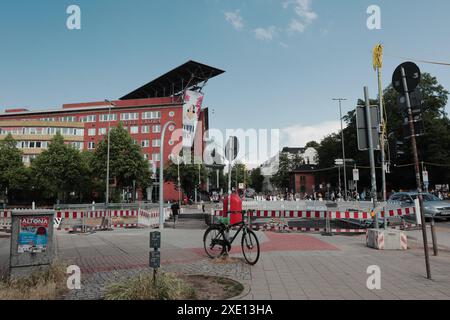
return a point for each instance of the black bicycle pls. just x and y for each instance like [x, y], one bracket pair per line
[217, 244]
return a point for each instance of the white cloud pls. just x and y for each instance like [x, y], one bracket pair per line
[235, 19]
[303, 10]
[296, 26]
[299, 135]
[266, 34]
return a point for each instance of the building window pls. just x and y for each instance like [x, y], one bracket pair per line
[171, 142]
[90, 118]
[156, 128]
[77, 145]
[151, 115]
[104, 117]
[145, 143]
[102, 131]
[91, 132]
[91, 145]
[145, 129]
[171, 114]
[134, 130]
[68, 119]
[146, 156]
[135, 141]
[156, 157]
[48, 119]
[156, 143]
[129, 116]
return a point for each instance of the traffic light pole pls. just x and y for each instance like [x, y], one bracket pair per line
[417, 169]
[383, 136]
[371, 155]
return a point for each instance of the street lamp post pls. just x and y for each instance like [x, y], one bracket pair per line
[343, 146]
[161, 175]
[179, 182]
[107, 159]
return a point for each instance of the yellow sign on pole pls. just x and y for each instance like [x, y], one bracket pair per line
[378, 56]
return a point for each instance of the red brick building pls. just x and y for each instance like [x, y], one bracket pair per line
[143, 112]
[303, 179]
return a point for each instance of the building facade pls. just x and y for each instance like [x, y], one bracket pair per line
[143, 113]
[34, 136]
[309, 156]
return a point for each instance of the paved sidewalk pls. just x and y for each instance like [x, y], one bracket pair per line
[292, 265]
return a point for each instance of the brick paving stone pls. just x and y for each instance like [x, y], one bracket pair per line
[292, 266]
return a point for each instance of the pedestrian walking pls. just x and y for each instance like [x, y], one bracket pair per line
[175, 212]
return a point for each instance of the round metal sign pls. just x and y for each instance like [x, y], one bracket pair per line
[413, 77]
[232, 148]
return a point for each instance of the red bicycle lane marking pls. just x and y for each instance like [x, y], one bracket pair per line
[285, 242]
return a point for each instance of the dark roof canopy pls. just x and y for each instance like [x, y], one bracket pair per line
[305, 168]
[293, 150]
[174, 82]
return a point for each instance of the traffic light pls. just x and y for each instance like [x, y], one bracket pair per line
[399, 149]
[419, 127]
[416, 101]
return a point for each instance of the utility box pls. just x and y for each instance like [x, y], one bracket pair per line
[32, 245]
[389, 239]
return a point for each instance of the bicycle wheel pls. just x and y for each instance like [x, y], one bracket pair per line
[250, 247]
[214, 242]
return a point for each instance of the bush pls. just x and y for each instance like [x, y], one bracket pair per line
[168, 287]
[44, 285]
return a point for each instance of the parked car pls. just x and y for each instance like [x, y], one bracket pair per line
[434, 207]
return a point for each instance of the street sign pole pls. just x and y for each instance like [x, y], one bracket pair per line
[417, 169]
[371, 154]
[161, 175]
[383, 135]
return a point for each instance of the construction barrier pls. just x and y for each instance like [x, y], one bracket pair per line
[150, 218]
[322, 221]
[82, 221]
[5, 220]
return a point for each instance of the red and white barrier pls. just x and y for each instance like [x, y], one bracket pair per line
[322, 214]
[150, 218]
[92, 220]
[284, 215]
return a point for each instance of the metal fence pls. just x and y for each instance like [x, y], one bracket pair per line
[332, 221]
[103, 206]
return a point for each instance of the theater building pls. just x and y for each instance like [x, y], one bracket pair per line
[143, 113]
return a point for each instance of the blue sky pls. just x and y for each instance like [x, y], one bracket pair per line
[285, 60]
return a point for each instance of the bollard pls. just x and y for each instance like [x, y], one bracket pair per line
[434, 238]
[155, 256]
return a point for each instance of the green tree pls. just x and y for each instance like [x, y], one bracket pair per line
[257, 179]
[59, 170]
[13, 175]
[434, 146]
[238, 175]
[282, 179]
[189, 176]
[313, 144]
[126, 164]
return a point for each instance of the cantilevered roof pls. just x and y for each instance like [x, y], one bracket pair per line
[172, 83]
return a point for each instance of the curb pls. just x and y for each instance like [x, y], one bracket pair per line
[247, 290]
